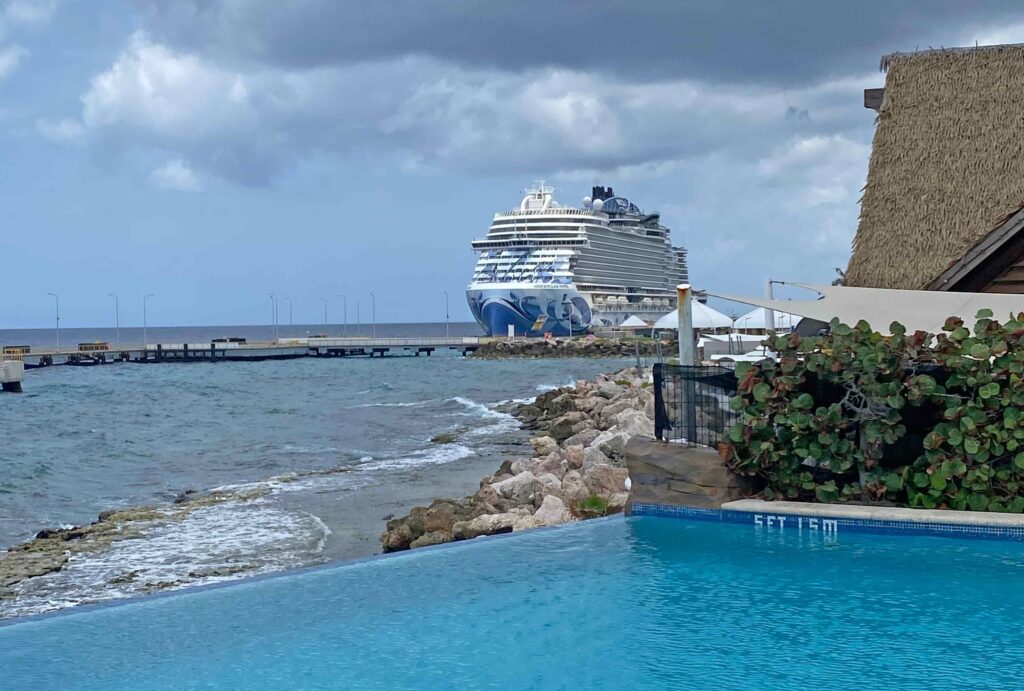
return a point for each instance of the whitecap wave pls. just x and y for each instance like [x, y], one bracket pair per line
[398, 404]
[437, 455]
[478, 408]
[214, 543]
[551, 387]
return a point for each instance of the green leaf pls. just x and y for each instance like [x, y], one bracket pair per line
[761, 392]
[980, 351]
[971, 445]
[977, 502]
[984, 313]
[939, 481]
[1018, 461]
[956, 437]
[804, 401]
[989, 390]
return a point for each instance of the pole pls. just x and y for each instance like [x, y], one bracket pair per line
[117, 321]
[686, 359]
[145, 332]
[325, 315]
[769, 314]
[373, 314]
[56, 299]
[273, 316]
[446, 335]
[344, 314]
[291, 331]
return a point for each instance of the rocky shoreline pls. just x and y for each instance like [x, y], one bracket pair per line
[576, 472]
[581, 347]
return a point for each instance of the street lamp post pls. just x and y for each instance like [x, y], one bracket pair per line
[117, 320]
[344, 310]
[325, 315]
[373, 314]
[291, 331]
[273, 316]
[145, 324]
[56, 299]
[445, 314]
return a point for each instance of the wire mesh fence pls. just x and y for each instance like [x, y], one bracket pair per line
[691, 403]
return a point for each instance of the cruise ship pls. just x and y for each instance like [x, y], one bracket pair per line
[546, 268]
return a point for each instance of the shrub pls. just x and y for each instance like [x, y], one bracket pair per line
[828, 421]
[592, 507]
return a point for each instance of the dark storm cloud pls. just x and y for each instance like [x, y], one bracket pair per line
[783, 42]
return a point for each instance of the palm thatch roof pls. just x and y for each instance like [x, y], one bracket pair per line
[947, 163]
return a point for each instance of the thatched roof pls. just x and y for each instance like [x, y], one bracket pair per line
[947, 163]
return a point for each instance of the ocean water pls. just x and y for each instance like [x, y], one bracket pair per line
[331, 447]
[618, 603]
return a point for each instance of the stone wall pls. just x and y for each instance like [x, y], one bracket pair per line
[678, 475]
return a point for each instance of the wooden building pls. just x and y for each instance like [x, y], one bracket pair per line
[943, 208]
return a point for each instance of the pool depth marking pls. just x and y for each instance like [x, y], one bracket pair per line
[768, 520]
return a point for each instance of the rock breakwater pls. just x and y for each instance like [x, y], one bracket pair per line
[577, 469]
[586, 347]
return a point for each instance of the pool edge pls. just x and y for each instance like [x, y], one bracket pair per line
[831, 519]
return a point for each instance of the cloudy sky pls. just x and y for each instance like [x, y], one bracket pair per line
[212, 151]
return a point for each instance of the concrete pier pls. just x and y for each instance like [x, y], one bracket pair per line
[281, 349]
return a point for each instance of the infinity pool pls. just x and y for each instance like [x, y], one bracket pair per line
[612, 604]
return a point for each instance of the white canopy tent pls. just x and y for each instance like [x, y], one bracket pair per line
[633, 322]
[755, 320]
[704, 317]
[924, 310]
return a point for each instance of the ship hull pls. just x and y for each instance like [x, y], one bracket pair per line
[532, 311]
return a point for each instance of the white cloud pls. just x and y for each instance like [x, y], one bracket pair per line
[249, 123]
[28, 11]
[63, 130]
[10, 58]
[175, 174]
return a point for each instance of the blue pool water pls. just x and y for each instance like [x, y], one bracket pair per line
[613, 604]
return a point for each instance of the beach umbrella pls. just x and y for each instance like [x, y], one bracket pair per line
[704, 317]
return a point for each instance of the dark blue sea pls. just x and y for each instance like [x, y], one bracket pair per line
[334, 446]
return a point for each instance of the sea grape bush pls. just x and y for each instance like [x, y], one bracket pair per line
[932, 421]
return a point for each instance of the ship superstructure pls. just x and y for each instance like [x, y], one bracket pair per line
[546, 268]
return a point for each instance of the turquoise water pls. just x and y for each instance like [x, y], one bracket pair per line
[612, 604]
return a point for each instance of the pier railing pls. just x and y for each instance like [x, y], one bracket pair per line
[691, 404]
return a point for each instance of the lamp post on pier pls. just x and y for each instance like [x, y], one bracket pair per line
[117, 321]
[291, 331]
[273, 316]
[145, 332]
[344, 311]
[373, 314]
[445, 313]
[56, 299]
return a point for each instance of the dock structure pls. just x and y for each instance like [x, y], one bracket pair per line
[12, 372]
[233, 351]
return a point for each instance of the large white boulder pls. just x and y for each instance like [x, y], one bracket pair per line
[552, 512]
